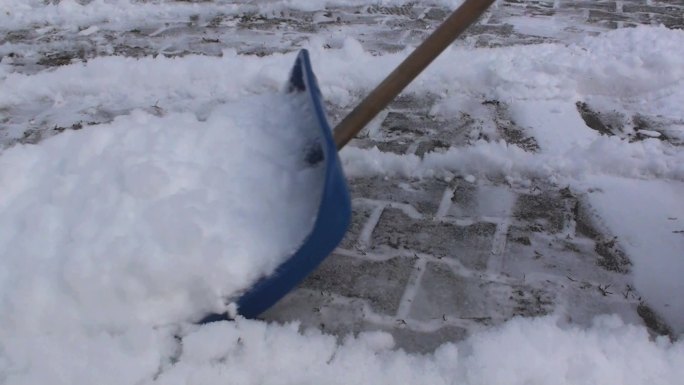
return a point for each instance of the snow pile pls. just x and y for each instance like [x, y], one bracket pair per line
[537, 351]
[521, 352]
[153, 219]
[604, 156]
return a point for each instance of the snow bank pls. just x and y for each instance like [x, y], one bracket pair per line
[161, 218]
[534, 351]
[640, 66]
[521, 352]
[602, 156]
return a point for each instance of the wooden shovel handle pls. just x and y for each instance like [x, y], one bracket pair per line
[411, 67]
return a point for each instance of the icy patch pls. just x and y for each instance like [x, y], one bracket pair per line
[153, 220]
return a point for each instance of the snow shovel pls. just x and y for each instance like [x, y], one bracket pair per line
[334, 211]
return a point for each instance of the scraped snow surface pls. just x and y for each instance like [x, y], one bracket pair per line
[116, 236]
[652, 232]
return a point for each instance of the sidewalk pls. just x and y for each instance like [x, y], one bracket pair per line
[429, 260]
[432, 260]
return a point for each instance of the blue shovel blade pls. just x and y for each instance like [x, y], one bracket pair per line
[333, 216]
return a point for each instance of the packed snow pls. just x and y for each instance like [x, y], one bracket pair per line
[117, 236]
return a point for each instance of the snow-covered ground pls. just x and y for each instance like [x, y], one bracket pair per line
[138, 185]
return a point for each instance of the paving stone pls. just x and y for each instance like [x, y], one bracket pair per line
[398, 124]
[588, 5]
[381, 284]
[424, 195]
[398, 146]
[530, 301]
[583, 302]
[538, 253]
[436, 14]
[412, 102]
[663, 9]
[544, 211]
[413, 341]
[323, 311]
[679, 3]
[342, 318]
[480, 201]
[471, 245]
[598, 16]
[497, 30]
[442, 295]
[673, 22]
[431, 145]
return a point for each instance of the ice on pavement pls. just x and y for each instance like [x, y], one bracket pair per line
[153, 219]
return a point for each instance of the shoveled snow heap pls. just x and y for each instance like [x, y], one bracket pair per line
[152, 220]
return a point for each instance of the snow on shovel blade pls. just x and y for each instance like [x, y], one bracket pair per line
[333, 216]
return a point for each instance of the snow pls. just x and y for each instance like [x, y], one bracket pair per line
[536, 351]
[117, 236]
[162, 218]
[522, 352]
[651, 231]
[606, 155]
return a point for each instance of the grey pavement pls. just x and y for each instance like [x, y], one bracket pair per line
[432, 261]
[428, 260]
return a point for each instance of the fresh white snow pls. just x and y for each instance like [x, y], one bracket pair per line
[532, 351]
[537, 351]
[116, 236]
[151, 220]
